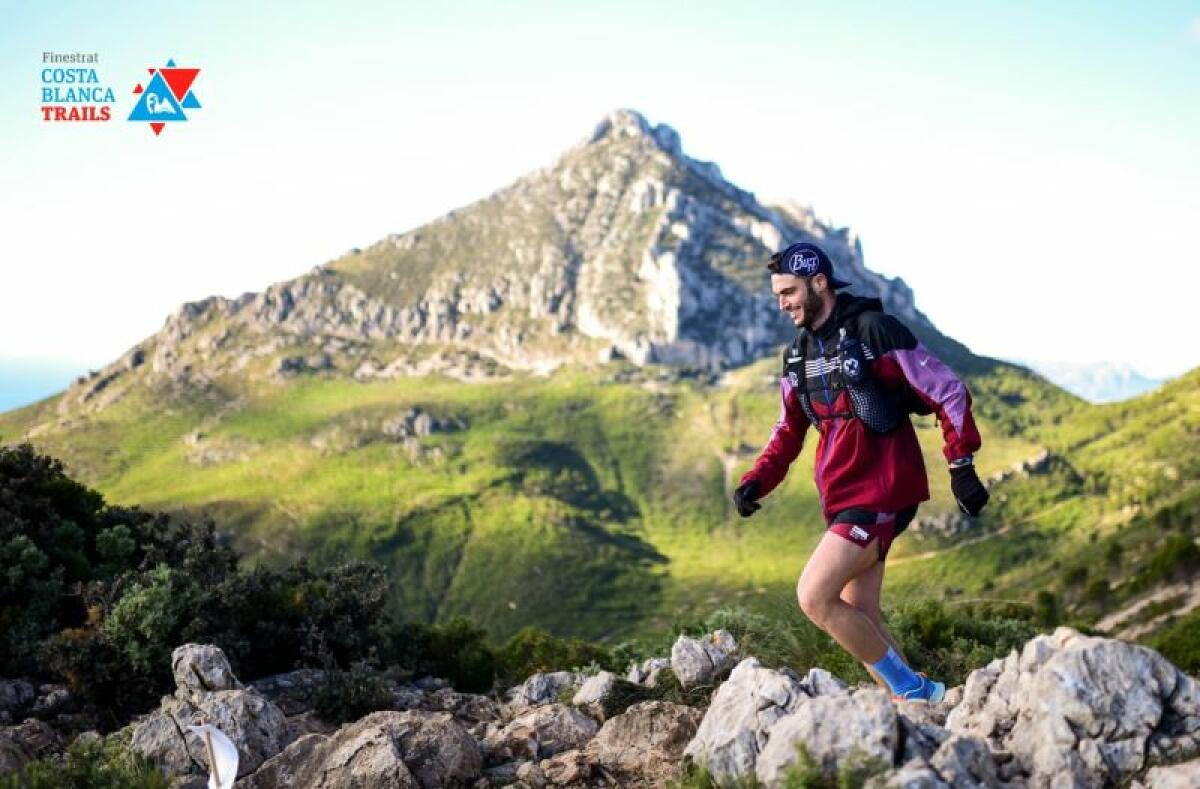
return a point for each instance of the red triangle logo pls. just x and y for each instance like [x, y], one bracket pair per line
[158, 127]
[137, 89]
[150, 70]
[179, 79]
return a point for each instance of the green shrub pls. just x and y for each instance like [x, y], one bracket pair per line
[89, 764]
[1179, 642]
[1046, 610]
[950, 641]
[532, 650]
[347, 695]
[456, 651]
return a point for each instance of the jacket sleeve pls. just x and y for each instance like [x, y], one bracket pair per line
[784, 445]
[901, 355]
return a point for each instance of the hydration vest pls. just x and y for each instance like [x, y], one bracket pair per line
[847, 366]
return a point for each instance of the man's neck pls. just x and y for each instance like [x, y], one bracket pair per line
[826, 311]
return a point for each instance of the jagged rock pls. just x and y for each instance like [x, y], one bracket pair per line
[569, 768]
[356, 757]
[644, 745]
[1083, 709]
[465, 707]
[256, 726]
[1177, 776]
[541, 732]
[595, 689]
[743, 711]
[292, 691]
[386, 749]
[836, 730]
[541, 689]
[530, 774]
[16, 695]
[912, 775]
[965, 761]
[647, 673]
[24, 742]
[200, 669]
[703, 661]
[819, 682]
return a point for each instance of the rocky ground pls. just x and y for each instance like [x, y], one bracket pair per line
[1066, 710]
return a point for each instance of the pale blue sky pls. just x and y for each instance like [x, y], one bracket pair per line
[1026, 167]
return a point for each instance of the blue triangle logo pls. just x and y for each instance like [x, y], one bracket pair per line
[171, 63]
[157, 105]
[190, 102]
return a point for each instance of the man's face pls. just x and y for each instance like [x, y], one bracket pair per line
[797, 298]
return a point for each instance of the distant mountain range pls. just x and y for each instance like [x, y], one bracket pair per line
[1100, 382]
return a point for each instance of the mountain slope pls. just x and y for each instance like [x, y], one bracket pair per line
[331, 414]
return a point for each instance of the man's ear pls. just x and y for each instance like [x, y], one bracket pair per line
[820, 283]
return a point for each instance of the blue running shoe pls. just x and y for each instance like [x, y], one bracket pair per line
[928, 690]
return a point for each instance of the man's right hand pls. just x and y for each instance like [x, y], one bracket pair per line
[744, 498]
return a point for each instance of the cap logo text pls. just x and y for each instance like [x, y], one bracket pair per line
[804, 263]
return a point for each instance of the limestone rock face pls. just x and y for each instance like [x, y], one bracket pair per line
[541, 732]
[1093, 709]
[206, 691]
[835, 729]
[703, 661]
[595, 689]
[644, 745]
[408, 750]
[736, 727]
[256, 726]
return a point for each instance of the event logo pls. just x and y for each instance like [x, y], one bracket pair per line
[71, 94]
[166, 96]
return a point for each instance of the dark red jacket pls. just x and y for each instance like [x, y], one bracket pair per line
[855, 467]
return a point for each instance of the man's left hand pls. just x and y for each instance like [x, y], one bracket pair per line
[968, 491]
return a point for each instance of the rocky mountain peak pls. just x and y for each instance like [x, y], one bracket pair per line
[625, 248]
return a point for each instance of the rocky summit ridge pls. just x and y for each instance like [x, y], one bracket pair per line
[625, 247]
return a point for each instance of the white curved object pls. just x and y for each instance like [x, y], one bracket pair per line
[222, 756]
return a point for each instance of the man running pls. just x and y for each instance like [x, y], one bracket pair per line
[855, 374]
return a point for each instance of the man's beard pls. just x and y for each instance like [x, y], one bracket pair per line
[812, 307]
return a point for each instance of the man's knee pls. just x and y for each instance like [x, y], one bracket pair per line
[815, 604]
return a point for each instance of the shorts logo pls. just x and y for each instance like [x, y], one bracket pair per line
[804, 263]
[850, 367]
[795, 380]
[859, 533]
[166, 96]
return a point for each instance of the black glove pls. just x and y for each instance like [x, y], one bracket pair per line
[744, 499]
[969, 492]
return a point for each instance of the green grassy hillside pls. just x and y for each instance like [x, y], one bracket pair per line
[592, 503]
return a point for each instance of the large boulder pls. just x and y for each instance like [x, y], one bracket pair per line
[1080, 710]
[16, 695]
[736, 727]
[255, 726]
[206, 691]
[836, 730]
[1177, 776]
[540, 733]
[644, 745]
[703, 661]
[392, 750]
[200, 669]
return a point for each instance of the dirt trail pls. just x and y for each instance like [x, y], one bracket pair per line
[1125, 623]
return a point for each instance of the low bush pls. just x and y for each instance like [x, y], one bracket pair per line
[89, 764]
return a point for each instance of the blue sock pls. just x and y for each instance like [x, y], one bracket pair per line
[896, 673]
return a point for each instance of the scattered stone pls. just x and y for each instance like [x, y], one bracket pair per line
[540, 689]
[647, 673]
[703, 661]
[595, 689]
[541, 732]
[200, 669]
